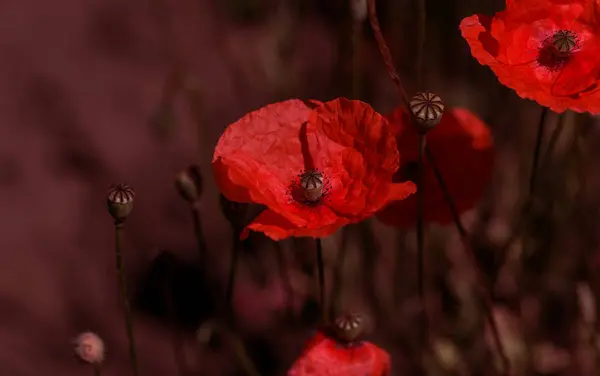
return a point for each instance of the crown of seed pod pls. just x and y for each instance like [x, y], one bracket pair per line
[312, 185]
[349, 326]
[189, 183]
[427, 109]
[120, 199]
[564, 41]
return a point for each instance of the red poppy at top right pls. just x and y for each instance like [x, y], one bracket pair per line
[545, 50]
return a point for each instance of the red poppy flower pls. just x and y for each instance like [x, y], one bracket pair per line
[545, 50]
[462, 148]
[323, 356]
[316, 167]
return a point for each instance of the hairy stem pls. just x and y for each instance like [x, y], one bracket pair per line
[321, 278]
[421, 240]
[385, 53]
[123, 284]
[481, 280]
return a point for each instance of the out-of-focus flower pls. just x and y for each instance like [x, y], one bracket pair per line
[324, 356]
[315, 166]
[545, 50]
[462, 147]
[89, 348]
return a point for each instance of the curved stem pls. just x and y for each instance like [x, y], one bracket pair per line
[200, 241]
[321, 278]
[123, 284]
[422, 37]
[385, 53]
[421, 240]
[481, 280]
[537, 151]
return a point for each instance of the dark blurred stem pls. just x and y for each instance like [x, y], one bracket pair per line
[422, 37]
[119, 226]
[321, 279]
[421, 240]
[356, 41]
[481, 280]
[233, 264]
[537, 151]
[200, 241]
[285, 276]
[385, 54]
[96, 368]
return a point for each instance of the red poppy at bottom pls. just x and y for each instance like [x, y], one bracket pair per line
[462, 148]
[324, 356]
[316, 166]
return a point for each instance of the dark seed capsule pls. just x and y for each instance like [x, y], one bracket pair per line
[564, 42]
[189, 183]
[120, 199]
[312, 185]
[427, 109]
[348, 327]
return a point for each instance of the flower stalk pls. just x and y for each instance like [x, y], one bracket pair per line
[321, 278]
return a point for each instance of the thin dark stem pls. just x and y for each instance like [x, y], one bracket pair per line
[422, 37]
[356, 40]
[537, 150]
[385, 53]
[96, 369]
[200, 241]
[123, 284]
[285, 276]
[481, 281]
[321, 278]
[233, 264]
[421, 238]
[336, 293]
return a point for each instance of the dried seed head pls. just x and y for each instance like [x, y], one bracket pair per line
[564, 42]
[89, 348]
[312, 185]
[120, 199]
[189, 183]
[348, 327]
[428, 109]
[234, 212]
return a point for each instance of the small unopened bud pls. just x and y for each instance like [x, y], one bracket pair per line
[359, 10]
[348, 327]
[234, 212]
[312, 185]
[189, 183]
[89, 348]
[427, 109]
[120, 199]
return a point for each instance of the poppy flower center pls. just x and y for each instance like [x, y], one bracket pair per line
[557, 49]
[310, 187]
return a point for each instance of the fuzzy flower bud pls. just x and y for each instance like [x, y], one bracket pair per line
[359, 10]
[89, 348]
[189, 183]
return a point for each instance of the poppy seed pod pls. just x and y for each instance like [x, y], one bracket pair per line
[348, 327]
[427, 109]
[189, 183]
[120, 199]
[312, 185]
[564, 42]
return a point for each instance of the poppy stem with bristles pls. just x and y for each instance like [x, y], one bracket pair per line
[321, 279]
[481, 281]
[119, 226]
[421, 240]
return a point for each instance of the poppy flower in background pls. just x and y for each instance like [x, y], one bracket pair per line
[315, 166]
[324, 356]
[462, 148]
[545, 50]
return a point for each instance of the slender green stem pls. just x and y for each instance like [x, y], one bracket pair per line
[421, 239]
[200, 241]
[422, 5]
[537, 151]
[321, 278]
[123, 284]
[481, 280]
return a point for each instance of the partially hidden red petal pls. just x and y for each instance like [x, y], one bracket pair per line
[278, 227]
